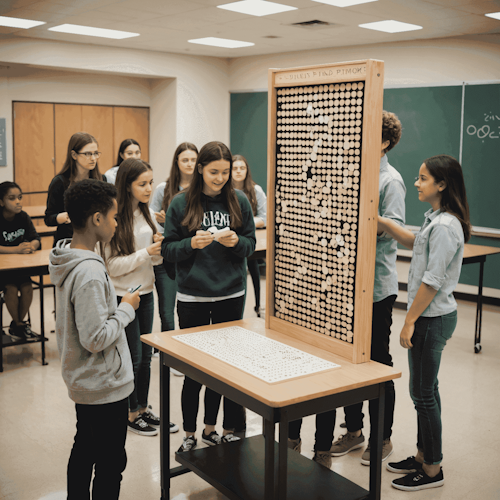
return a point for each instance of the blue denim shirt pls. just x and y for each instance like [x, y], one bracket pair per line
[392, 192]
[437, 260]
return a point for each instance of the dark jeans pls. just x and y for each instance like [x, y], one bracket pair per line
[429, 338]
[167, 290]
[101, 431]
[193, 314]
[141, 353]
[253, 268]
[325, 424]
[381, 331]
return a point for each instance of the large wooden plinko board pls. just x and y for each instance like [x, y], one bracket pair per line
[325, 135]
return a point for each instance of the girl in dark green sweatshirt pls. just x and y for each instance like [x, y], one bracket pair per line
[210, 268]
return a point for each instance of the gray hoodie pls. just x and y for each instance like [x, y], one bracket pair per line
[90, 328]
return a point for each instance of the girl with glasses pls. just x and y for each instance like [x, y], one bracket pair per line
[81, 163]
[129, 148]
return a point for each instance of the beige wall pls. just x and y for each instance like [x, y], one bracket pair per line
[412, 63]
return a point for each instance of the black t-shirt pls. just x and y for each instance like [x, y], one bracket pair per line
[16, 231]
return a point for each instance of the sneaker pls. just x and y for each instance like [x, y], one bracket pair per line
[323, 458]
[150, 418]
[387, 450]
[173, 427]
[175, 372]
[140, 427]
[212, 439]
[229, 438]
[16, 332]
[28, 332]
[419, 480]
[346, 443]
[295, 444]
[406, 466]
[188, 443]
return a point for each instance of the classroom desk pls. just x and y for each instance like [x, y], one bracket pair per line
[258, 468]
[260, 244]
[472, 254]
[35, 264]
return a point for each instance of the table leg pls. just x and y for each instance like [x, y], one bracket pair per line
[479, 310]
[42, 319]
[269, 460]
[283, 456]
[164, 429]
[376, 439]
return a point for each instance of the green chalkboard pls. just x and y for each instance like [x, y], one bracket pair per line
[248, 129]
[431, 118]
[481, 153]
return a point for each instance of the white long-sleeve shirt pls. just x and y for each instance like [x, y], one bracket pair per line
[127, 271]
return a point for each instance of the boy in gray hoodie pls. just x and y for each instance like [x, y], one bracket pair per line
[95, 359]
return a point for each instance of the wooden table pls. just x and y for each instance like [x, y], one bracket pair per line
[260, 244]
[258, 468]
[35, 264]
[472, 254]
[36, 211]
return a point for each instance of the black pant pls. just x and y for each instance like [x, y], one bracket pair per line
[193, 314]
[325, 424]
[381, 331]
[101, 431]
[253, 268]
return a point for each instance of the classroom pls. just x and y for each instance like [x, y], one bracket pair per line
[441, 78]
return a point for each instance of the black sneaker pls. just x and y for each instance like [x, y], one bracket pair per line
[212, 439]
[173, 427]
[406, 466]
[150, 418]
[28, 332]
[188, 443]
[16, 331]
[140, 427]
[419, 480]
[230, 438]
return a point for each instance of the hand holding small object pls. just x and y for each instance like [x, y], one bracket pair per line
[155, 248]
[229, 239]
[133, 298]
[157, 237]
[160, 216]
[201, 239]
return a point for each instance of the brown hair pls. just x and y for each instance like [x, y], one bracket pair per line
[453, 197]
[123, 240]
[213, 151]
[249, 184]
[123, 146]
[391, 129]
[174, 179]
[76, 143]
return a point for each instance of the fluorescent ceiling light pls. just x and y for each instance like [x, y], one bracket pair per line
[344, 3]
[391, 26]
[14, 22]
[256, 7]
[89, 31]
[221, 42]
[494, 15]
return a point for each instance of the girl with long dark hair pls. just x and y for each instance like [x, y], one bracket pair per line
[432, 310]
[81, 163]
[210, 271]
[129, 148]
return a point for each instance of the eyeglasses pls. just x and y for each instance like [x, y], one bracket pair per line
[89, 155]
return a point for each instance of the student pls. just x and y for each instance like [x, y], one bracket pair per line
[81, 163]
[95, 358]
[183, 164]
[210, 271]
[129, 148]
[391, 204]
[242, 180]
[432, 310]
[133, 251]
[17, 235]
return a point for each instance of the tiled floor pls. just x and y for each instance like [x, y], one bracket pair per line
[37, 423]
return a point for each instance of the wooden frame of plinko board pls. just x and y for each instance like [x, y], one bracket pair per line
[371, 74]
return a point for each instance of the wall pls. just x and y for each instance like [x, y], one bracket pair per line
[188, 95]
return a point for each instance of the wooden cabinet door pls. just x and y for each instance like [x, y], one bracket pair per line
[132, 123]
[98, 121]
[33, 146]
[68, 121]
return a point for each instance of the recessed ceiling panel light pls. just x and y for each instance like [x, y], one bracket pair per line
[391, 26]
[14, 22]
[75, 29]
[494, 15]
[256, 7]
[221, 42]
[344, 3]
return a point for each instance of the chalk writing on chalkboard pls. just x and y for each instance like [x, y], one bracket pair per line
[487, 131]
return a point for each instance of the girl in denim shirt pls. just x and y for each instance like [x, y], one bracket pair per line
[432, 310]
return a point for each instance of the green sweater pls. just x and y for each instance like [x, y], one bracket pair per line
[214, 271]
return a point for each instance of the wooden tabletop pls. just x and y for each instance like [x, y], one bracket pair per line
[348, 377]
[261, 240]
[469, 251]
[35, 211]
[35, 261]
